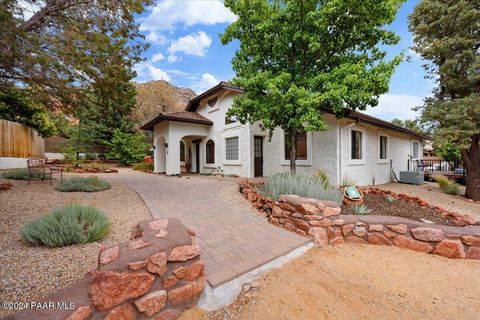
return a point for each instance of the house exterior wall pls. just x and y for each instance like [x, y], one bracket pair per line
[328, 151]
[219, 131]
[372, 170]
[321, 151]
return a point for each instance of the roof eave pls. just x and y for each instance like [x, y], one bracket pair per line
[193, 103]
[151, 124]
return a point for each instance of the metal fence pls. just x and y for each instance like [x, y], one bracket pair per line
[450, 169]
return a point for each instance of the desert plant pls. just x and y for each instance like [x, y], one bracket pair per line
[21, 174]
[441, 180]
[360, 210]
[299, 184]
[448, 186]
[390, 199]
[322, 177]
[452, 188]
[67, 225]
[145, 167]
[89, 184]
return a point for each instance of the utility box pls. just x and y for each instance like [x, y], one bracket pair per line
[412, 177]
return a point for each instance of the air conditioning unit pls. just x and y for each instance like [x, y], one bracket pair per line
[412, 177]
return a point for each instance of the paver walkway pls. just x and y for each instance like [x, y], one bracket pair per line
[233, 239]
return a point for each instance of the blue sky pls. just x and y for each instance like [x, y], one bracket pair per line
[185, 50]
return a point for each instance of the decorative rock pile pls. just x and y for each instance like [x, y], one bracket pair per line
[94, 170]
[322, 221]
[156, 275]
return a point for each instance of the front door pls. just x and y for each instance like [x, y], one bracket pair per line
[258, 156]
[197, 157]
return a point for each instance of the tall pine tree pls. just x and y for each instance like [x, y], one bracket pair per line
[447, 35]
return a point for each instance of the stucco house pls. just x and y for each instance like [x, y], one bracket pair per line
[359, 147]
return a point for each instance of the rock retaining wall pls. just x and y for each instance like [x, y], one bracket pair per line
[322, 220]
[156, 275]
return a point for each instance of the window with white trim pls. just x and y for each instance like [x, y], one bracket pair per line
[231, 148]
[383, 148]
[210, 152]
[300, 146]
[415, 152]
[356, 145]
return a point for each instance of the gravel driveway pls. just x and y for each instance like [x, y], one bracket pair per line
[30, 273]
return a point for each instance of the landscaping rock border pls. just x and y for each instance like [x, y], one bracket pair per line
[157, 274]
[322, 220]
[457, 219]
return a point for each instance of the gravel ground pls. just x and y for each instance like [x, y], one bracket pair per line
[431, 193]
[360, 282]
[232, 194]
[31, 273]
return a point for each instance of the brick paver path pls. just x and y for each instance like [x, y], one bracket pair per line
[233, 239]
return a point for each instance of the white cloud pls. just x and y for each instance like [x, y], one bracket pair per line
[392, 106]
[157, 57]
[206, 82]
[166, 14]
[182, 74]
[146, 71]
[195, 44]
[156, 38]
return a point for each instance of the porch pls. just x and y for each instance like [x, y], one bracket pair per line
[178, 138]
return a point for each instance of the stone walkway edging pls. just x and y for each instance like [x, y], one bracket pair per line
[322, 221]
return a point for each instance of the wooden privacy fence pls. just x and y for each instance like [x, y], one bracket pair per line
[19, 141]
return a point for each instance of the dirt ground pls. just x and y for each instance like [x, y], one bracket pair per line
[431, 193]
[378, 205]
[360, 282]
[30, 273]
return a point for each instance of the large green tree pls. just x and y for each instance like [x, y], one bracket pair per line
[446, 34]
[66, 46]
[15, 105]
[300, 58]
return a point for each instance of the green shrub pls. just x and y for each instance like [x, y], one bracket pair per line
[442, 181]
[90, 184]
[126, 147]
[90, 156]
[145, 167]
[448, 186]
[67, 225]
[69, 153]
[21, 174]
[360, 210]
[95, 165]
[298, 184]
[322, 177]
[452, 189]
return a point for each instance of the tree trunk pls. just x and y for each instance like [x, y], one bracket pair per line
[471, 162]
[293, 153]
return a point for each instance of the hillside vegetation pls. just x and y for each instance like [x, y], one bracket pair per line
[158, 96]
